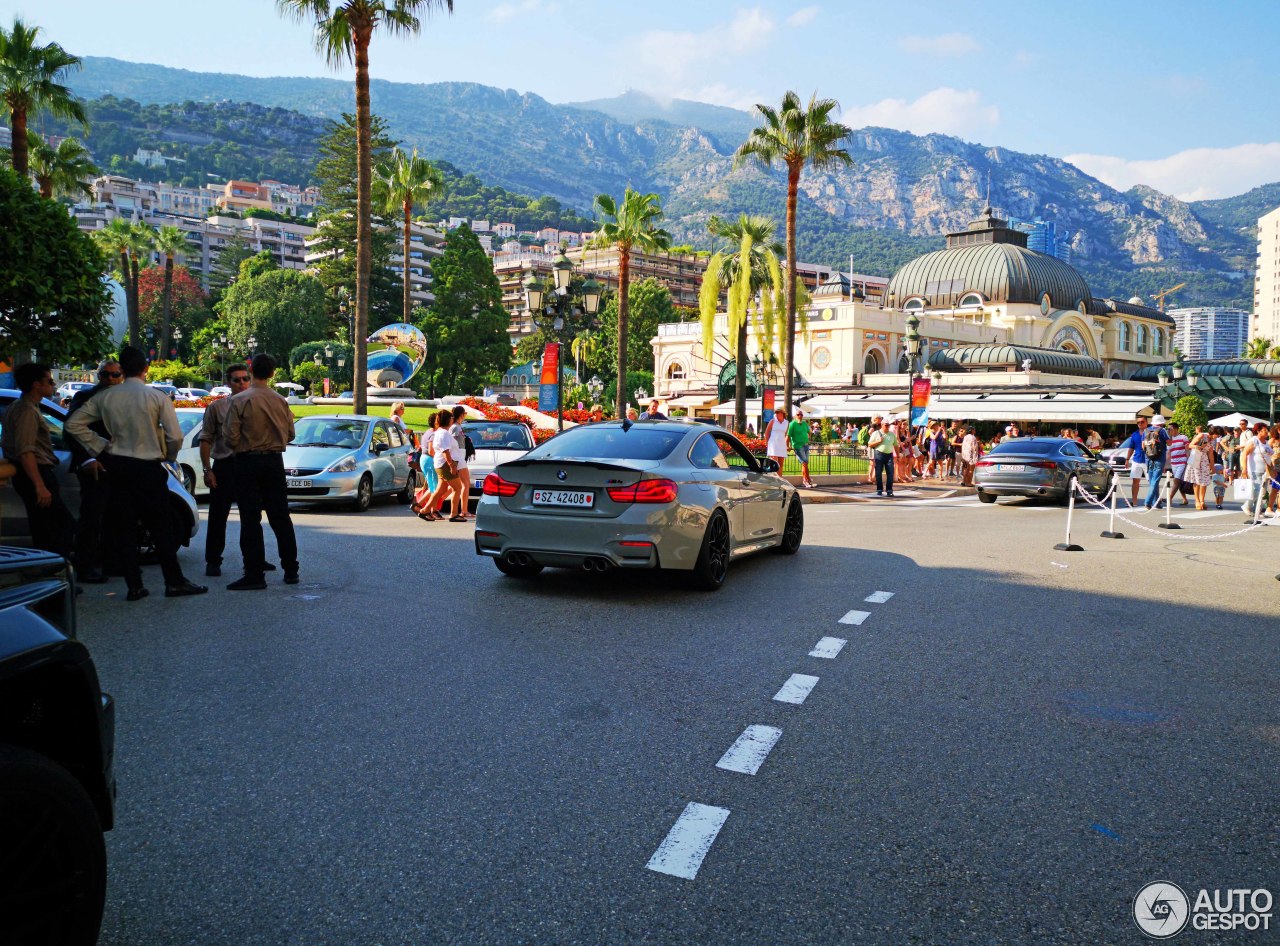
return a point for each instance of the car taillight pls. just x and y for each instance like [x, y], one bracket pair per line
[645, 491]
[495, 485]
[1043, 464]
[985, 463]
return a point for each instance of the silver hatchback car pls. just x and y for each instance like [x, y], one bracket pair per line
[348, 459]
[652, 494]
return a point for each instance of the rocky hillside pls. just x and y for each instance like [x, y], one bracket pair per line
[901, 194]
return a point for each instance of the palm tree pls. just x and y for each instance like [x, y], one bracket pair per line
[405, 182]
[631, 225]
[63, 170]
[1258, 348]
[796, 136]
[115, 239]
[584, 345]
[29, 83]
[753, 275]
[343, 31]
[171, 242]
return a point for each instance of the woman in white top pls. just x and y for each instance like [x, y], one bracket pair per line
[459, 454]
[775, 436]
[442, 445]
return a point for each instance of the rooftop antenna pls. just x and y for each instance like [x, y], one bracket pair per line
[988, 190]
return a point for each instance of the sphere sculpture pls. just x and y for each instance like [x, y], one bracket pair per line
[396, 352]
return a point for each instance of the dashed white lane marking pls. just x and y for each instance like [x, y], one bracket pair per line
[828, 647]
[749, 750]
[681, 852]
[797, 689]
[855, 617]
[878, 597]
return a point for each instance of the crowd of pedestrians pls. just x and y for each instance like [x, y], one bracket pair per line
[443, 456]
[122, 435]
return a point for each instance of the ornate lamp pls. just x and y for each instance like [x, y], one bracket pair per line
[1163, 377]
[591, 292]
[562, 271]
[1193, 378]
[535, 294]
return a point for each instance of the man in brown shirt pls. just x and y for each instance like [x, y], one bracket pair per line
[27, 445]
[259, 426]
[219, 462]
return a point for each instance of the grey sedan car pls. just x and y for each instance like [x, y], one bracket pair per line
[349, 459]
[1039, 466]
[652, 494]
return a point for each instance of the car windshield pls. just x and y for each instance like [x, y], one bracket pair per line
[610, 442]
[1021, 445]
[188, 420]
[498, 436]
[330, 432]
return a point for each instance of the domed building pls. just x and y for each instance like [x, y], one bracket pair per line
[993, 314]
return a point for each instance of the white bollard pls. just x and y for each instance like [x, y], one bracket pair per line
[1111, 532]
[1168, 503]
[1068, 546]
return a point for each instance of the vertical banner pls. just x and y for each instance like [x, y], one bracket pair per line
[326, 387]
[768, 398]
[920, 389]
[547, 382]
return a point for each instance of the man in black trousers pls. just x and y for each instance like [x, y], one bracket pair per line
[259, 427]
[144, 434]
[219, 463]
[95, 485]
[26, 443]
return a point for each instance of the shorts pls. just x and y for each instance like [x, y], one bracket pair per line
[1137, 471]
[802, 452]
[1179, 471]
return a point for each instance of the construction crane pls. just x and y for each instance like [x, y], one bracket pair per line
[1159, 296]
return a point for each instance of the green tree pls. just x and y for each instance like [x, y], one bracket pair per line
[170, 241]
[130, 243]
[335, 240]
[305, 354]
[403, 183]
[1258, 348]
[343, 31]
[797, 137]
[254, 266]
[226, 266]
[650, 305]
[52, 298]
[281, 308]
[29, 82]
[1189, 413]
[750, 271]
[466, 326]
[60, 171]
[633, 224]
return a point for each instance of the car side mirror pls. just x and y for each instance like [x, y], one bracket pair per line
[379, 448]
[769, 465]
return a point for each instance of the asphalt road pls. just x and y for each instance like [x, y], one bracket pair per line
[409, 748]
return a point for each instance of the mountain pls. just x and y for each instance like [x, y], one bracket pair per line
[901, 194]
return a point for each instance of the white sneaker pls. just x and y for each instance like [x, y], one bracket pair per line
[1271, 514]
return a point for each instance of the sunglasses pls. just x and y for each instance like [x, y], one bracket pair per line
[113, 374]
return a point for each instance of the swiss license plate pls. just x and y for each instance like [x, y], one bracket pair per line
[581, 499]
[479, 484]
[1012, 468]
[297, 484]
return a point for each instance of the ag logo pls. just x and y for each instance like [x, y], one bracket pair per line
[1161, 909]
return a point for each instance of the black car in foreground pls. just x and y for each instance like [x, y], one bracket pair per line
[57, 744]
[1039, 466]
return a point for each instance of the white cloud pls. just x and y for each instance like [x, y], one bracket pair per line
[717, 93]
[681, 56]
[505, 12]
[948, 44]
[1194, 174]
[803, 17]
[946, 110]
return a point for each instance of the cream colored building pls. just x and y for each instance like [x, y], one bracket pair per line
[986, 292]
[1266, 283]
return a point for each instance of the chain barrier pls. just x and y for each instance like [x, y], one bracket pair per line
[1167, 535]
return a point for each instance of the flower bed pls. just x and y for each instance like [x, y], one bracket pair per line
[495, 411]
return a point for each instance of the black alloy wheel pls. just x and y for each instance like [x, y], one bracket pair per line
[53, 864]
[713, 560]
[364, 494]
[793, 528]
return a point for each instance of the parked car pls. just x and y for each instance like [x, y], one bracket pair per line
[345, 396]
[168, 389]
[1115, 458]
[191, 420]
[495, 442]
[69, 389]
[192, 394]
[57, 759]
[220, 391]
[1039, 466]
[349, 459]
[13, 514]
[653, 494]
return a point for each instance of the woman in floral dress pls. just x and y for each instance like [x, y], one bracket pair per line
[1200, 465]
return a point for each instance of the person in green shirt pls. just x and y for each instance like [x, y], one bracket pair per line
[882, 444]
[798, 437]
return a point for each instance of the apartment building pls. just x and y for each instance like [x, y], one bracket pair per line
[425, 244]
[245, 195]
[1266, 283]
[1209, 332]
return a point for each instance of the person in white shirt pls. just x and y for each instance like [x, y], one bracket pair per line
[459, 454]
[443, 447]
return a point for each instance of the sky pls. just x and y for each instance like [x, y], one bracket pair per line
[1181, 95]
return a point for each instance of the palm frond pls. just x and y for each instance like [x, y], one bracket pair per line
[709, 302]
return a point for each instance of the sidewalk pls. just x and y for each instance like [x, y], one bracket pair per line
[854, 489]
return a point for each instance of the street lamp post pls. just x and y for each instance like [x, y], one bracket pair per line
[222, 355]
[912, 342]
[595, 387]
[177, 339]
[549, 308]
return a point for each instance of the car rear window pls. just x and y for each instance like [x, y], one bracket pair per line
[498, 436]
[1023, 446]
[188, 421]
[609, 442]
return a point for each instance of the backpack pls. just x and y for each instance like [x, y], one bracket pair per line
[864, 435]
[1151, 446]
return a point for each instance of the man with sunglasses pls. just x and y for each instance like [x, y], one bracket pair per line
[219, 462]
[95, 486]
